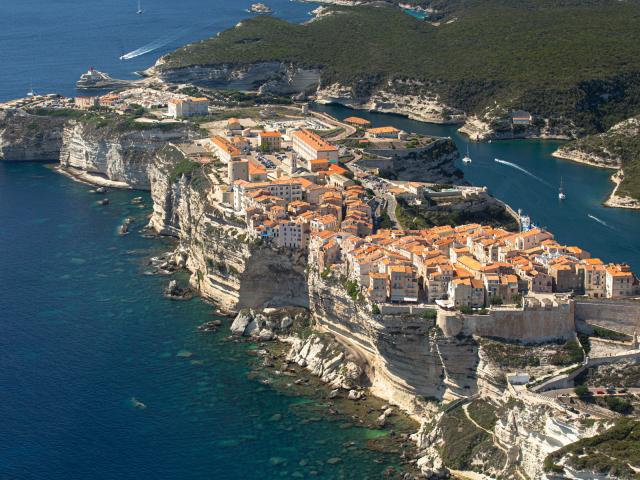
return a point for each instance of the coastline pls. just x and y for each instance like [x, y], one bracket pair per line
[88, 179]
[577, 158]
[614, 200]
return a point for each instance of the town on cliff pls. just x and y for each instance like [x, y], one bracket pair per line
[481, 326]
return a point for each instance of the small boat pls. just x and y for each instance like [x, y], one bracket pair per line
[561, 194]
[140, 11]
[467, 158]
[137, 403]
[31, 93]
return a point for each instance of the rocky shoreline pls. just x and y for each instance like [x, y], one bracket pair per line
[614, 200]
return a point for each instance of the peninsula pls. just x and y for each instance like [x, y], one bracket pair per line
[407, 283]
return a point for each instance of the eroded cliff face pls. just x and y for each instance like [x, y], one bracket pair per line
[226, 266]
[115, 154]
[403, 97]
[408, 362]
[267, 77]
[25, 137]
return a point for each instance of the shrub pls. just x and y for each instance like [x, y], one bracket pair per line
[619, 405]
[352, 289]
[582, 391]
[430, 314]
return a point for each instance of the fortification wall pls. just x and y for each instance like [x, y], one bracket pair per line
[619, 315]
[529, 325]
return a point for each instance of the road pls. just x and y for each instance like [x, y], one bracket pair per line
[571, 392]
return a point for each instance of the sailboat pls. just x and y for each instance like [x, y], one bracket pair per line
[561, 194]
[467, 158]
[31, 93]
[140, 11]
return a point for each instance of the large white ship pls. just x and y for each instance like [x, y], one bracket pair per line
[96, 79]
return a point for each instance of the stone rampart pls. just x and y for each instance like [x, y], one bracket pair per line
[618, 315]
[527, 325]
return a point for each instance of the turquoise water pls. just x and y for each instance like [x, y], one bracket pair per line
[415, 13]
[83, 332]
[613, 235]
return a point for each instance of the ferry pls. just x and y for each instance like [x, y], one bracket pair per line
[95, 79]
[467, 158]
[561, 194]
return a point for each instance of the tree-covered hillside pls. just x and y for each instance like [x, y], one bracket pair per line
[561, 59]
[619, 146]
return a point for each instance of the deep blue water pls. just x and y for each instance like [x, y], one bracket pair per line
[615, 237]
[82, 331]
[49, 43]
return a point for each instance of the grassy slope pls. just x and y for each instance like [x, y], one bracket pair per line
[611, 451]
[552, 57]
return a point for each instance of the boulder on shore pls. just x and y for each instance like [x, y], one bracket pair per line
[175, 292]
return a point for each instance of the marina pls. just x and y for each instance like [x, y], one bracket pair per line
[533, 186]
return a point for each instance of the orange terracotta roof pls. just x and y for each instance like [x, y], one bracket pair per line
[225, 145]
[270, 134]
[378, 130]
[314, 141]
[357, 121]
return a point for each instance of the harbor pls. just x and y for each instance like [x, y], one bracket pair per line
[532, 186]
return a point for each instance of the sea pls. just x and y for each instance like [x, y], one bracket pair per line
[103, 378]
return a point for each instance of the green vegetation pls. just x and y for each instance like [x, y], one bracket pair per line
[430, 314]
[415, 218]
[610, 452]
[375, 309]
[385, 220]
[585, 342]
[511, 356]
[184, 167]
[495, 301]
[617, 147]
[483, 413]
[352, 289]
[104, 118]
[568, 354]
[462, 440]
[607, 334]
[582, 391]
[618, 405]
[565, 59]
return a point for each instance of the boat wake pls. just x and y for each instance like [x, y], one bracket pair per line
[601, 222]
[523, 170]
[155, 45]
